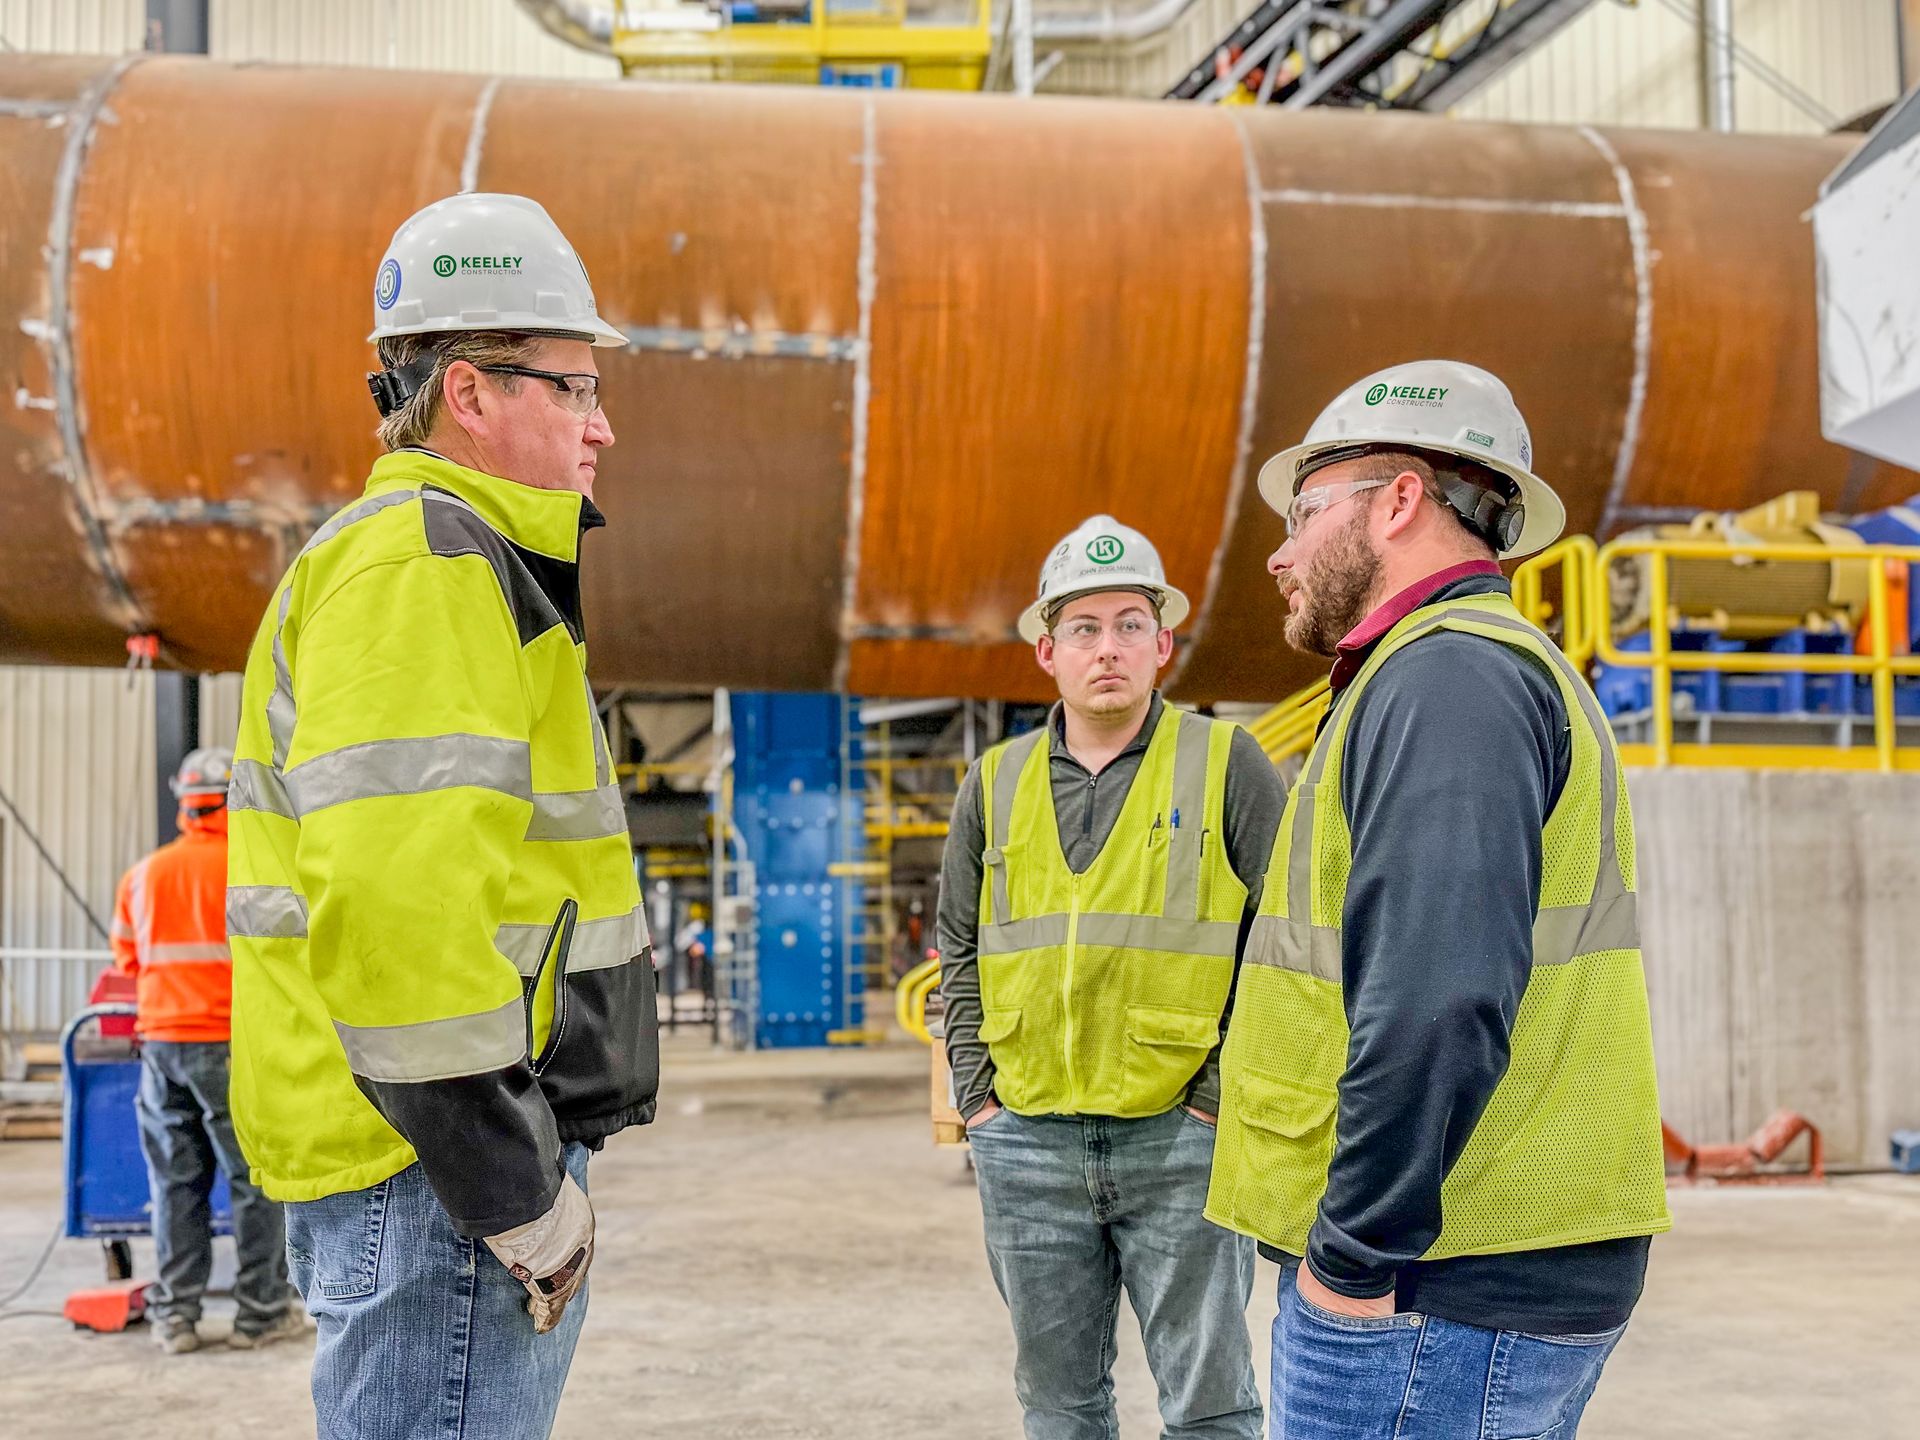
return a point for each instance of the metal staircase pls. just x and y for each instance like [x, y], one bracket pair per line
[1379, 54]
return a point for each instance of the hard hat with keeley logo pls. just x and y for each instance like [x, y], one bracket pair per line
[484, 262]
[1101, 554]
[1442, 405]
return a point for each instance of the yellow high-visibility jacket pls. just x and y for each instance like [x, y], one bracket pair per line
[437, 935]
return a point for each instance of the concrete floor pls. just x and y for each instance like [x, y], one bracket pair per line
[783, 1255]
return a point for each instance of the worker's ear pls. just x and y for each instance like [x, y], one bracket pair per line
[1043, 652]
[1163, 646]
[461, 393]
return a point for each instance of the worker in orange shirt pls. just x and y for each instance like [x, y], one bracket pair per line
[170, 934]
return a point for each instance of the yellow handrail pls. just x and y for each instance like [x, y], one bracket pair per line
[1288, 728]
[910, 998]
[1881, 664]
[1578, 580]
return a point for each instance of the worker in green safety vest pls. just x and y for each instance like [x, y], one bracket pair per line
[1438, 1107]
[1095, 894]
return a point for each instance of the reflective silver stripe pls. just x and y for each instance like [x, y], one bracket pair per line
[1008, 936]
[578, 814]
[602, 757]
[597, 944]
[1181, 899]
[1297, 945]
[1123, 932]
[1300, 854]
[437, 1049]
[411, 767]
[266, 912]
[183, 951]
[995, 860]
[1609, 885]
[258, 786]
[1567, 932]
[1006, 781]
[280, 711]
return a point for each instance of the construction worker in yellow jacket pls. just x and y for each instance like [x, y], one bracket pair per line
[441, 1000]
[1094, 895]
[1438, 1109]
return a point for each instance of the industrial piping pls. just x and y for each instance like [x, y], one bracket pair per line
[886, 348]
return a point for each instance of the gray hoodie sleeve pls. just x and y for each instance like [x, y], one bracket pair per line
[1251, 809]
[958, 932]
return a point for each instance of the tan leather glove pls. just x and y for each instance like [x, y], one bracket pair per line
[550, 1255]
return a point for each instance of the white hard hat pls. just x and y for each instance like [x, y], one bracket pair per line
[1442, 405]
[204, 772]
[484, 262]
[1101, 554]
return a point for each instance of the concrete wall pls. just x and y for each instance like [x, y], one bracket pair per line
[1780, 914]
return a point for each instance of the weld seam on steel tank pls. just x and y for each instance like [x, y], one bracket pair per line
[1636, 219]
[81, 122]
[866, 281]
[1249, 398]
[477, 137]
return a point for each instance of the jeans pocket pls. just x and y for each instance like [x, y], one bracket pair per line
[1403, 1320]
[1540, 1384]
[333, 1243]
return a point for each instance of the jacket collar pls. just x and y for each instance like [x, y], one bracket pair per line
[1358, 643]
[548, 522]
[1057, 729]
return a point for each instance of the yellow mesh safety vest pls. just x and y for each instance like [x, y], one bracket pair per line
[1568, 1150]
[1102, 993]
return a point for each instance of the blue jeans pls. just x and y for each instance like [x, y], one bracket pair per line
[1418, 1377]
[423, 1335]
[185, 1131]
[1077, 1209]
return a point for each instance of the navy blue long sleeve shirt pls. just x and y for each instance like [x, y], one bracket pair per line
[1457, 751]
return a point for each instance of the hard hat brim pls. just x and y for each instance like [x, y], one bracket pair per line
[1174, 608]
[1546, 515]
[595, 332]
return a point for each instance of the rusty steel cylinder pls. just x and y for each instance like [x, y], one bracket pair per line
[887, 348]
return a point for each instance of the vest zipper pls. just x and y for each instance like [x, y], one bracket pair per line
[1066, 983]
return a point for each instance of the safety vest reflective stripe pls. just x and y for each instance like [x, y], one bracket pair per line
[266, 912]
[417, 765]
[186, 953]
[1125, 932]
[280, 707]
[1610, 921]
[437, 1049]
[597, 944]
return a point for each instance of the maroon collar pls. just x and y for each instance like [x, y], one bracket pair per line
[1359, 641]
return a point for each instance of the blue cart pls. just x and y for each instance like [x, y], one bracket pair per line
[107, 1194]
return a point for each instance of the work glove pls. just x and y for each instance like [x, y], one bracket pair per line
[550, 1255]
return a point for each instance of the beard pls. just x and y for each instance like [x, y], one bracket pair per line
[1336, 591]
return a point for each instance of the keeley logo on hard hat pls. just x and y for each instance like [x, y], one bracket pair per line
[1101, 554]
[1443, 406]
[485, 262]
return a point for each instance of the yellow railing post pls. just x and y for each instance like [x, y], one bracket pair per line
[1884, 732]
[1660, 647]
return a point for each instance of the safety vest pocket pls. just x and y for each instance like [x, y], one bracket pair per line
[1284, 1132]
[1165, 1049]
[1022, 1078]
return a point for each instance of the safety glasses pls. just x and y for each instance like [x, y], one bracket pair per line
[1309, 503]
[574, 391]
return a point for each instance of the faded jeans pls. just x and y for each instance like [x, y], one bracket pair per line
[1418, 1377]
[423, 1335]
[185, 1131]
[1079, 1208]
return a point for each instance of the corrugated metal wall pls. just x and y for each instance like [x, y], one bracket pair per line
[1621, 62]
[1640, 65]
[76, 761]
[481, 36]
[73, 27]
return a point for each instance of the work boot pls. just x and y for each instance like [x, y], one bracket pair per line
[289, 1323]
[176, 1335]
